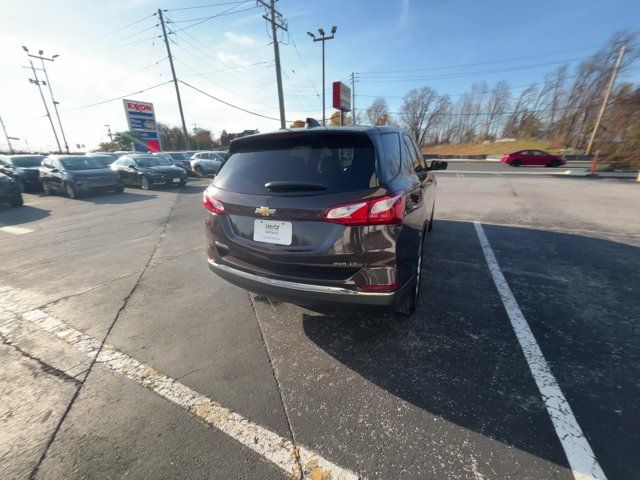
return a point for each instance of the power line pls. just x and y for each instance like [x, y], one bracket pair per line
[505, 60]
[463, 75]
[117, 98]
[228, 11]
[467, 92]
[229, 104]
[202, 6]
[121, 28]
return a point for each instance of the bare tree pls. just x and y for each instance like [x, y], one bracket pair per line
[497, 106]
[414, 113]
[378, 111]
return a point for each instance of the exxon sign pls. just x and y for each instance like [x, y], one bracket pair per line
[141, 120]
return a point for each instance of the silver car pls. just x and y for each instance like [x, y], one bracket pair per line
[207, 162]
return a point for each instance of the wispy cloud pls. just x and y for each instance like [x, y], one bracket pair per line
[404, 14]
[239, 39]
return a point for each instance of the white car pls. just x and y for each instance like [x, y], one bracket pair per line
[207, 162]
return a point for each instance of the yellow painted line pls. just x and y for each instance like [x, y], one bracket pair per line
[295, 460]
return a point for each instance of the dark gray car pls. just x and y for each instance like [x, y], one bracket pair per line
[76, 175]
[23, 169]
[147, 171]
[333, 215]
[10, 191]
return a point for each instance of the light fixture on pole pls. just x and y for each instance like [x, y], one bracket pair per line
[323, 39]
[55, 103]
[39, 83]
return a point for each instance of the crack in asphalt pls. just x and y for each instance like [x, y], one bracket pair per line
[125, 301]
[44, 366]
[278, 386]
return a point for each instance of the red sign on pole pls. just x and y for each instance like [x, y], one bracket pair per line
[341, 97]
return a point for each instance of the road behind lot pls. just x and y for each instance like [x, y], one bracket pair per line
[446, 393]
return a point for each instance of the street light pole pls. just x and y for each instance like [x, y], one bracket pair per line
[109, 132]
[323, 39]
[195, 133]
[44, 102]
[6, 136]
[55, 104]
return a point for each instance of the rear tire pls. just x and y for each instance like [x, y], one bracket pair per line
[119, 189]
[198, 171]
[554, 164]
[71, 192]
[410, 302]
[17, 201]
[46, 189]
[515, 163]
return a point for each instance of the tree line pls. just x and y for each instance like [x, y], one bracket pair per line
[563, 107]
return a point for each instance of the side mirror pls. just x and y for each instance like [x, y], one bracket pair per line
[133, 167]
[55, 170]
[439, 165]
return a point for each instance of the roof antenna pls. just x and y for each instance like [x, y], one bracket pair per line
[312, 123]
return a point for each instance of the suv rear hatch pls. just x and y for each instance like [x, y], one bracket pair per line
[275, 191]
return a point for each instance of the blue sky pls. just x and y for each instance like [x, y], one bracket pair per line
[229, 56]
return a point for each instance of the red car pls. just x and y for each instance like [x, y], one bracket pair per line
[532, 157]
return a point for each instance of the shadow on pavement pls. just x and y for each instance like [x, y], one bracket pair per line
[458, 356]
[19, 215]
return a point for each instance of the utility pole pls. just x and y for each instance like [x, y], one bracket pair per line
[277, 22]
[195, 132]
[614, 73]
[6, 136]
[353, 96]
[44, 102]
[55, 104]
[323, 39]
[109, 132]
[175, 81]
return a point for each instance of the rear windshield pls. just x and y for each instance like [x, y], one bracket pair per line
[81, 163]
[299, 163]
[26, 162]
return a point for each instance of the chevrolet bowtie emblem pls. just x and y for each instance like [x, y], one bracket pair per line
[265, 211]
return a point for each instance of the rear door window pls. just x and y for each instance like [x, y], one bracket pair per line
[301, 163]
[391, 146]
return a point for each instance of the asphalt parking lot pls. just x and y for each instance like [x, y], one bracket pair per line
[123, 355]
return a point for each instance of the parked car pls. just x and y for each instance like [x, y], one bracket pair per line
[181, 159]
[334, 215]
[532, 157]
[147, 170]
[23, 169]
[76, 175]
[10, 191]
[207, 163]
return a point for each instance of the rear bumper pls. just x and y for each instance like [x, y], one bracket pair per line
[303, 292]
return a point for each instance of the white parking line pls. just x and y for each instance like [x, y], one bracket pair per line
[578, 451]
[14, 230]
[296, 461]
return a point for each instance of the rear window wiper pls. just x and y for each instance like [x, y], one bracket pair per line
[292, 186]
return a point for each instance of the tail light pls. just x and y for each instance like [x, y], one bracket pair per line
[376, 211]
[213, 205]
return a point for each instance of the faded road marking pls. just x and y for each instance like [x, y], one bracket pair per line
[14, 230]
[578, 451]
[296, 461]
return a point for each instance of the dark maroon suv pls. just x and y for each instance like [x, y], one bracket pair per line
[333, 215]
